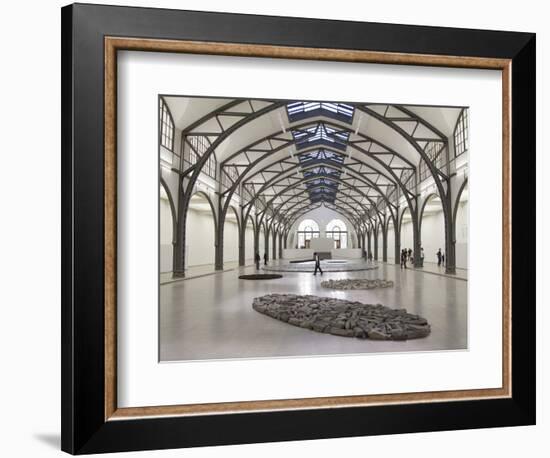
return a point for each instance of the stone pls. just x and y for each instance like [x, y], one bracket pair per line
[341, 332]
[377, 334]
[294, 321]
[342, 317]
[356, 283]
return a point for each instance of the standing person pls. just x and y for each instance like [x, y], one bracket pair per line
[443, 258]
[421, 257]
[439, 256]
[265, 258]
[257, 260]
[404, 258]
[317, 264]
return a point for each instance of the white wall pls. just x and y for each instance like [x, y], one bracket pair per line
[199, 238]
[322, 244]
[249, 244]
[39, 436]
[346, 253]
[230, 241]
[297, 253]
[432, 236]
[407, 239]
[391, 243]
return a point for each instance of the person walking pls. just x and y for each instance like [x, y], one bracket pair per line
[410, 255]
[439, 256]
[317, 264]
[265, 258]
[257, 260]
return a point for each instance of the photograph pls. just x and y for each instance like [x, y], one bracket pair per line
[299, 228]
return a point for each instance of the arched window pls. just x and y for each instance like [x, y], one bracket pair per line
[166, 126]
[461, 133]
[337, 230]
[307, 230]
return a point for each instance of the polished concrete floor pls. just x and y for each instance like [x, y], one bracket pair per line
[211, 317]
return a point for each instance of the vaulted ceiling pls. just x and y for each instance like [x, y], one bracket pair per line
[288, 157]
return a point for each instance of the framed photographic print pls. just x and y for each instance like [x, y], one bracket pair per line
[273, 221]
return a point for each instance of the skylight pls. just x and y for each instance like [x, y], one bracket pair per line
[321, 134]
[320, 155]
[301, 110]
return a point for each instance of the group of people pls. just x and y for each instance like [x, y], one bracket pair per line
[257, 260]
[407, 256]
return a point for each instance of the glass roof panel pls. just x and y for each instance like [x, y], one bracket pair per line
[301, 110]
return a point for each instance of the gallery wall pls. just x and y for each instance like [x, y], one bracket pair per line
[199, 238]
[230, 242]
[433, 237]
[249, 244]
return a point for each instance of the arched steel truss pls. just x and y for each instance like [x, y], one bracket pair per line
[366, 181]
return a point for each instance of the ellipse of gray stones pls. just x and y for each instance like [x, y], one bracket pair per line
[343, 318]
[357, 283]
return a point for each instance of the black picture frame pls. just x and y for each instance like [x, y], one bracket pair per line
[84, 427]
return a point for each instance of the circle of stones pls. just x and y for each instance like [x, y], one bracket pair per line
[356, 283]
[341, 317]
[260, 277]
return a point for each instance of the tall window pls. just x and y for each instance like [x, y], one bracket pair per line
[198, 145]
[210, 166]
[435, 152]
[337, 231]
[228, 176]
[461, 134]
[307, 230]
[166, 126]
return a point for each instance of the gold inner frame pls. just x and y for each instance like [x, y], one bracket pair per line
[114, 44]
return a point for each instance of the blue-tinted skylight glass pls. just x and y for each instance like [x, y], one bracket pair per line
[301, 110]
[321, 134]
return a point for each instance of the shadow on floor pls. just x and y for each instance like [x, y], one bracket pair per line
[51, 439]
